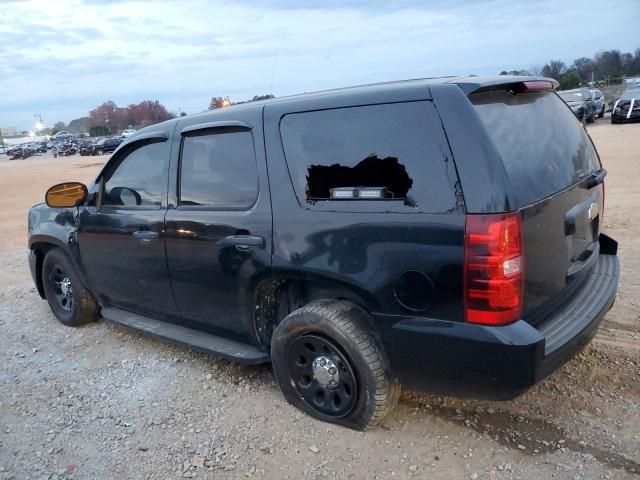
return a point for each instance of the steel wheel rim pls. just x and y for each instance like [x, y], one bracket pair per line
[310, 376]
[63, 289]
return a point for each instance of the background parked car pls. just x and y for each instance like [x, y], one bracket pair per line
[106, 145]
[580, 101]
[627, 107]
[128, 132]
[599, 103]
[84, 147]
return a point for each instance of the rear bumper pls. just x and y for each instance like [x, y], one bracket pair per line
[498, 362]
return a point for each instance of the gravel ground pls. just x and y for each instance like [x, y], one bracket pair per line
[103, 402]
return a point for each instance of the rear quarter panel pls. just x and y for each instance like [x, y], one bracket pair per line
[365, 252]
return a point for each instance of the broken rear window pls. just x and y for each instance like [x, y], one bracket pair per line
[388, 157]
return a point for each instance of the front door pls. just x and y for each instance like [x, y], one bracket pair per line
[121, 239]
[219, 233]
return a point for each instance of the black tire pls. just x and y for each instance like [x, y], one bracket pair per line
[340, 334]
[601, 114]
[69, 301]
[100, 152]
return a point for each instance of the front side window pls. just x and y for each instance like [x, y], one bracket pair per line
[372, 158]
[218, 169]
[138, 179]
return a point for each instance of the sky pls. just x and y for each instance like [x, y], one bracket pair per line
[59, 59]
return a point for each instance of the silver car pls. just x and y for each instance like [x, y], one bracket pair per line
[598, 100]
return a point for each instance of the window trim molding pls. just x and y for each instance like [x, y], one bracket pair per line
[212, 125]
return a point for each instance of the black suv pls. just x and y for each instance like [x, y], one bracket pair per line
[441, 234]
[105, 145]
[580, 101]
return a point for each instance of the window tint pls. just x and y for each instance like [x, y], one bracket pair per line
[396, 147]
[543, 147]
[218, 170]
[138, 180]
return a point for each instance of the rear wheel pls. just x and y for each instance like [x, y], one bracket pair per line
[69, 301]
[100, 152]
[328, 364]
[601, 114]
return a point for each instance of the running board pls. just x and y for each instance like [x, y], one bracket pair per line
[204, 342]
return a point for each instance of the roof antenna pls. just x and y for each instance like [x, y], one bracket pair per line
[275, 60]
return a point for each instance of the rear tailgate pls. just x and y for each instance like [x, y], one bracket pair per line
[556, 177]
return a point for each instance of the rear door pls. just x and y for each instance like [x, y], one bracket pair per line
[219, 227]
[557, 179]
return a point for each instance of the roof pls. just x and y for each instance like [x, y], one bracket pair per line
[385, 90]
[467, 83]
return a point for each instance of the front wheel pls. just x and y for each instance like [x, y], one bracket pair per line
[100, 152]
[69, 301]
[329, 364]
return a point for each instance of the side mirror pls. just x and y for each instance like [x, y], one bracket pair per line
[67, 195]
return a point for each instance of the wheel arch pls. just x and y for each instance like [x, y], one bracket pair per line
[40, 245]
[40, 249]
[276, 297]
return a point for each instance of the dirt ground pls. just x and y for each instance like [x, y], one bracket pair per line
[103, 402]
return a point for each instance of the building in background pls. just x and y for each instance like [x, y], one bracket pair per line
[8, 131]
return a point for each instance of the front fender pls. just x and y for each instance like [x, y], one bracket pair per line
[54, 227]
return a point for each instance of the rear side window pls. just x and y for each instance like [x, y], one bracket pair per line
[394, 149]
[218, 170]
[543, 146]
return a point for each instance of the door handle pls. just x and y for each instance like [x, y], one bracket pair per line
[145, 236]
[241, 241]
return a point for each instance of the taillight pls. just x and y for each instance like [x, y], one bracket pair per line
[494, 268]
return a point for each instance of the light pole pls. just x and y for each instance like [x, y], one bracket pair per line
[40, 122]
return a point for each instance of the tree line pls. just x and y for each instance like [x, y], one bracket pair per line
[110, 119]
[222, 102]
[608, 67]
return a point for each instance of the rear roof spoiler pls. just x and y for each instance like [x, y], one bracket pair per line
[515, 84]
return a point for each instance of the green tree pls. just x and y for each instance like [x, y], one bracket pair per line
[99, 131]
[570, 80]
[554, 69]
[608, 64]
[257, 98]
[584, 67]
[57, 127]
